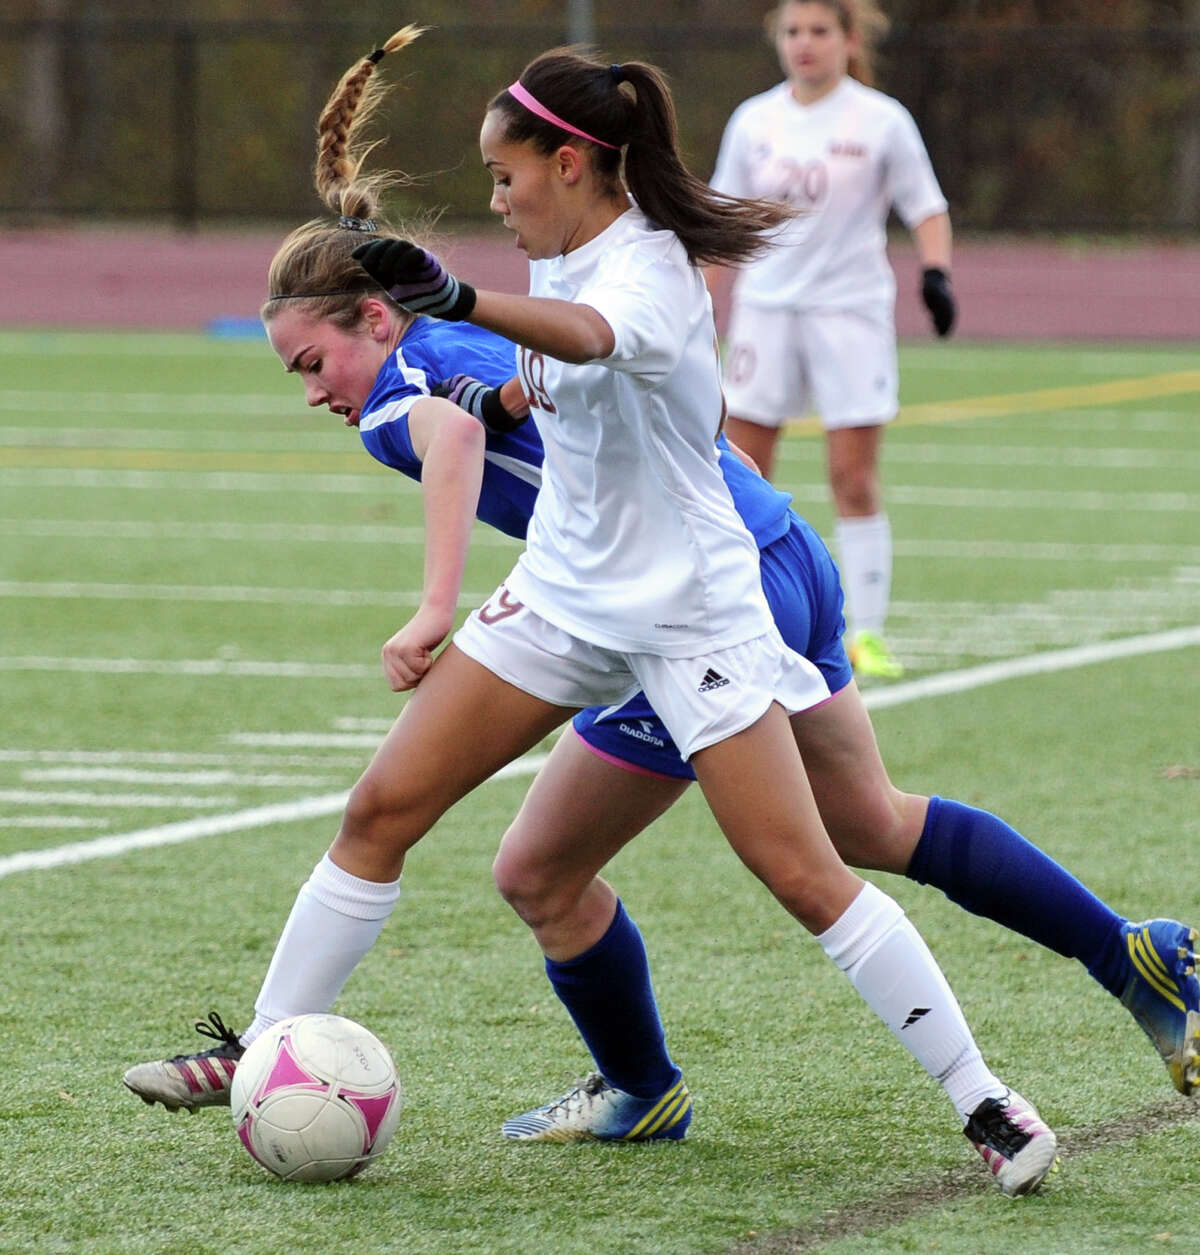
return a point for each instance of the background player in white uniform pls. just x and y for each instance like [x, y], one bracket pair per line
[633, 386]
[812, 324]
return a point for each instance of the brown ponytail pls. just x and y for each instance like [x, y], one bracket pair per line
[628, 108]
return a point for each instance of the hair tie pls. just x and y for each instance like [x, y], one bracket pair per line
[523, 96]
[378, 55]
[617, 73]
[349, 223]
[312, 296]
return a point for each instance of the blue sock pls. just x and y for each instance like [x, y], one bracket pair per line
[989, 869]
[607, 991]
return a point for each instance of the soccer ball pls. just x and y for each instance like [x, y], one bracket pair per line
[315, 1098]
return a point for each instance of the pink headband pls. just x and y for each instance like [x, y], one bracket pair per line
[523, 97]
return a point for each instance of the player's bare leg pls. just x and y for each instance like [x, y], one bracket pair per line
[872, 824]
[757, 441]
[759, 793]
[864, 546]
[461, 724]
[580, 811]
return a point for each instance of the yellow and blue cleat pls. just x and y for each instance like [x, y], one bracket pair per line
[1163, 994]
[872, 659]
[596, 1112]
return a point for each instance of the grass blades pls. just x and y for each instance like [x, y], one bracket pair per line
[196, 575]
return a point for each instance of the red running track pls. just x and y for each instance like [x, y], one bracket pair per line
[1007, 290]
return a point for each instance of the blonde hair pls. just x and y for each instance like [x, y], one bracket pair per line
[313, 264]
[863, 18]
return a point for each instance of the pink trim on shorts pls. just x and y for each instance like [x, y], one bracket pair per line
[826, 700]
[523, 96]
[620, 762]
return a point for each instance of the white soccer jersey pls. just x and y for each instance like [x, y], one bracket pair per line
[634, 544]
[844, 160]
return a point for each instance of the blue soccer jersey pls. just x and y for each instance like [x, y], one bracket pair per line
[430, 353]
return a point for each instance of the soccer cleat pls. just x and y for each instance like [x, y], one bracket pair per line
[1016, 1144]
[595, 1112]
[191, 1081]
[872, 659]
[1163, 994]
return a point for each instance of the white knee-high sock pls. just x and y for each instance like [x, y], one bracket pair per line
[891, 967]
[864, 550]
[334, 922]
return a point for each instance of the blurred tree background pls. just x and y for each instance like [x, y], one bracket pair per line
[1079, 116]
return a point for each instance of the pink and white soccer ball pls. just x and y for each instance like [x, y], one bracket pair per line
[315, 1098]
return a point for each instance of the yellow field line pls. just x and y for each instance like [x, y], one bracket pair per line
[1036, 402]
[960, 409]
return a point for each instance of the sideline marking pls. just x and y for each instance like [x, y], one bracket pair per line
[1032, 664]
[331, 803]
[207, 826]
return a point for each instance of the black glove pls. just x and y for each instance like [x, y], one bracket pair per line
[938, 296]
[478, 399]
[415, 279]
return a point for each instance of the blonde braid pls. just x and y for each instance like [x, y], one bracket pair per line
[349, 107]
[314, 263]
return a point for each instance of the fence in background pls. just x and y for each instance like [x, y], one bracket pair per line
[1046, 129]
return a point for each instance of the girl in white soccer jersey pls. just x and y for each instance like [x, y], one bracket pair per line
[812, 323]
[366, 359]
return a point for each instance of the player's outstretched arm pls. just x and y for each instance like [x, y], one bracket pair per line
[450, 444]
[416, 280]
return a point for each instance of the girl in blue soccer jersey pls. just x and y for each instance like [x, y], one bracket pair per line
[372, 362]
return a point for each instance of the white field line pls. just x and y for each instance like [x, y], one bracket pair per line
[1109, 458]
[54, 821]
[99, 345]
[289, 533]
[309, 740]
[143, 801]
[1182, 420]
[241, 594]
[37, 401]
[1032, 664]
[1046, 551]
[204, 481]
[236, 593]
[239, 533]
[207, 826]
[172, 758]
[255, 482]
[196, 667]
[132, 775]
[243, 441]
[305, 808]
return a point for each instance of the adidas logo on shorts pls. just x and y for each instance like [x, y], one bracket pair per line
[712, 680]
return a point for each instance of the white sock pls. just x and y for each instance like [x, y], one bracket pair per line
[891, 967]
[334, 922]
[864, 548]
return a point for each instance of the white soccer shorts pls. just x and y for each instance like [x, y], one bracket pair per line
[702, 700]
[782, 364]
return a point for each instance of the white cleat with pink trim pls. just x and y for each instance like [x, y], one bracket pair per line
[191, 1081]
